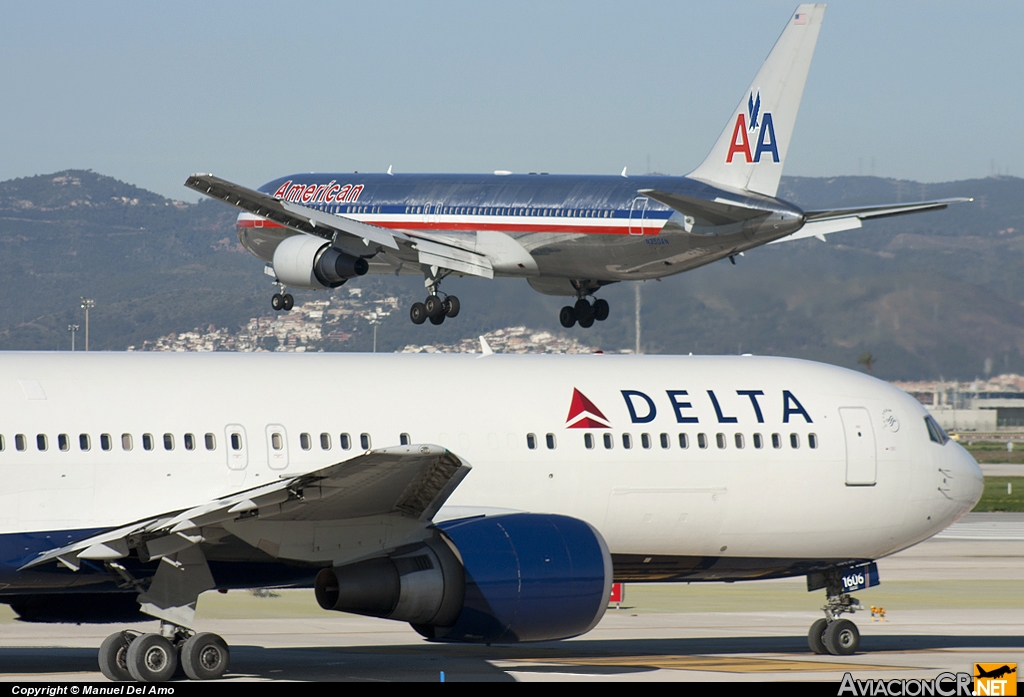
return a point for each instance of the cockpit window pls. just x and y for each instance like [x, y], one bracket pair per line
[935, 431]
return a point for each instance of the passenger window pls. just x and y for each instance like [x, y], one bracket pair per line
[106, 442]
[236, 441]
[276, 441]
[531, 441]
[404, 439]
[794, 440]
[739, 441]
[664, 441]
[345, 441]
[776, 441]
[550, 440]
[645, 441]
[325, 441]
[126, 441]
[588, 441]
[211, 441]
[41, 443]
[305, 442]
[720, 440]
[63, 442]
[702, 441]
[758, 441]
[364, 441]
[627, 441]
[190, 441]
[812, 441]
[608, 441]
[168, 441]
[147, 441]
[684, 441]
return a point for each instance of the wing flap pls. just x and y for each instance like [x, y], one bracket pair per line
[411, 481]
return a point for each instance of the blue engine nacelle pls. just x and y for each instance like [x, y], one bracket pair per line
[501, 579]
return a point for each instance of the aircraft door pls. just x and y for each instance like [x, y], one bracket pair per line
[637, 213]
[861, 459]
[277, 447]
[237, 449]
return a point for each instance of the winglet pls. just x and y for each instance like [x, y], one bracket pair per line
[751, 151]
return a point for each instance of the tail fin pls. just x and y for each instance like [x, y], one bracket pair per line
[752, 149]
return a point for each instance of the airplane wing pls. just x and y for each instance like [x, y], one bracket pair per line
[330, 227]
[411, 482]
[824, 222]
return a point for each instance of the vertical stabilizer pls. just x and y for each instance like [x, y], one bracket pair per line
[752, 149]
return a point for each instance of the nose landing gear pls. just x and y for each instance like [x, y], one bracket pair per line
[832, 634]
[282, 300]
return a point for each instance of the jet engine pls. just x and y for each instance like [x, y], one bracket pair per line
[504, 579]
[304, 261]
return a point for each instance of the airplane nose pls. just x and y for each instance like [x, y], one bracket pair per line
[966, 482]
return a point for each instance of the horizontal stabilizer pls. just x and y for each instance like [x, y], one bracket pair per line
[714, 212]
[884, 211]
[292, 215]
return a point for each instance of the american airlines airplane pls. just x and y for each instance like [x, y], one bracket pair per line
[494, 500]
[567, 235]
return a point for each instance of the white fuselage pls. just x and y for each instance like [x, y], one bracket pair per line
[872, 484]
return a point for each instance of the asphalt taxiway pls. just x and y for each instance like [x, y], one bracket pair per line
[949, 602]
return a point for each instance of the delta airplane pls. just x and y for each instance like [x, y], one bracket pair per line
[567, 235]
[138, 481]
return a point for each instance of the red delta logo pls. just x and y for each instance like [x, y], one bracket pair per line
[740, 144]
[584, 414]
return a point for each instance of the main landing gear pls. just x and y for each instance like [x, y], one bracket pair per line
[129, 655]
[584, 313]
[831, 634]
[435, 308]
[282, 300]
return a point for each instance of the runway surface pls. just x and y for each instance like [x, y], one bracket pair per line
[950, 602]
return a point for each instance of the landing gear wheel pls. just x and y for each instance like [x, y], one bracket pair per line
[439, 319]
[587, 322]
[418, 313]
[567, 317]
[451, 306]
[434, 305]
[842, 638]
[151, 658]
[287, 302]
[113, 657]
[816, 637]
[601, 309]
[277, 301]
[205, 656]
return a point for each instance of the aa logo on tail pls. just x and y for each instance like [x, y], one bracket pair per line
[765, 133]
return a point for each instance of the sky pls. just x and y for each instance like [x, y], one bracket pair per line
[152, 92]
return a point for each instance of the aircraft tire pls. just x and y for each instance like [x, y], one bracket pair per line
[816, 637]
[287, 302]
[418, 313]
[439, 319]
[434, 306]
[583, 308]
[842, 638]
[452, 306]
[601, 309]
[567, 317]
[151, 658]
[277, 301]
[205, 656]
[113, 657]
[586, 322]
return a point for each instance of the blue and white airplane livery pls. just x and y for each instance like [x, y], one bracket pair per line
[566, 234]
[140, 480]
